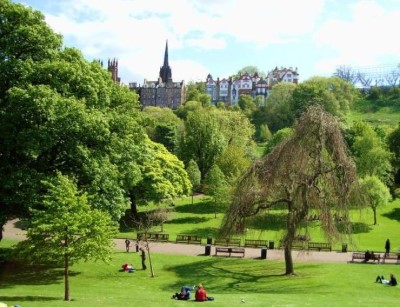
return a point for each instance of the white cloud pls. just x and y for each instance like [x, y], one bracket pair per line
[365, 39]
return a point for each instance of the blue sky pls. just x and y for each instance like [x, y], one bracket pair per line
[222, 36]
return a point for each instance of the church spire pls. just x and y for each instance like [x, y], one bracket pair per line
[165, 70]
[166, 55]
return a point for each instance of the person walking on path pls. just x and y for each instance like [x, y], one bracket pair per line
[143, 256]
[387, 246]
[127, 245]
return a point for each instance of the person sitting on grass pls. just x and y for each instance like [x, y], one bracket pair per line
[391, 282]
[201, 294]
[184, 294]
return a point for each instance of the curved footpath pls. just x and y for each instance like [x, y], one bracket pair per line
[14, 233]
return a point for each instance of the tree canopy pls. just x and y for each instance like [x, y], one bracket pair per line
[309, 171]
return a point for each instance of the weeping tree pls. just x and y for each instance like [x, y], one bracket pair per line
[310, 170]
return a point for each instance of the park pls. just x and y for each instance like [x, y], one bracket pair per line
[287, 200]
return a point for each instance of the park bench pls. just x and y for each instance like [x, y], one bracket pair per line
[361, 256]
[391, 256]
[297, 244]
[153, 236]
[255, 243]
[227, 242]
[229, 250]
[187, 238]
[319, 246]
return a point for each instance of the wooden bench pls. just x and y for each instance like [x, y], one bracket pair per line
[295, 244]
[189, 239]
[229, 250]
[391, 256]
[153, 236]
[227, 242]
[319, 246]
[255, 243]
[361, 256]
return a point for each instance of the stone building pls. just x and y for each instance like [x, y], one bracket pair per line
[229, 90]
[163, 92]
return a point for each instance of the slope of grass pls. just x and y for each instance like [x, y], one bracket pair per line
[257, 282]
[199, 219]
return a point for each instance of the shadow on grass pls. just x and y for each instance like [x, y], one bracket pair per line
[224, 275]
[203, 232]
[15, 273]
[268, 222]
[203, 207]
[356, 228]
[393, 215]
[188, 220]
[29, 298]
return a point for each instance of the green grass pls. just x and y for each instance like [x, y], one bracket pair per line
[199, 219]
[258, 282]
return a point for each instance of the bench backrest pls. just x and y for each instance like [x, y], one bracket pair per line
[227, 242]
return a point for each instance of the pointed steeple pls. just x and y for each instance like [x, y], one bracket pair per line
[165, 70]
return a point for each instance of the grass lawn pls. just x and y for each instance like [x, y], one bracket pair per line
[258, 282]
[199, 219]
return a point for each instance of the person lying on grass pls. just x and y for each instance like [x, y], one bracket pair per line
[391, 282]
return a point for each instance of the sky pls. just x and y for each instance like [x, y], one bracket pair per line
[220, 37]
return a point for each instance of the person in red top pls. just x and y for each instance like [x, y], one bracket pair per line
[201, 294]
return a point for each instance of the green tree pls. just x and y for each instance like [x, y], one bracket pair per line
[278, 137]
[265, 133]
[251, 70]
[217, 188]
[278, 106]
[68, 230]
[194, 176]
[394, 146]
[247, 105]
[309, 171]
[202, 140]
[163, 176]
[376, 192]
[233, 162]
[163, 126]
[335, 95]
[370, 152]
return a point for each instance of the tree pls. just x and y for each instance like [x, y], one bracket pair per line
[278, 106]
[370, 152]
[394, 146]
[217, 188]
[194, 175]
[376, 192]
[278, 137]
[163, 126]
[67, 230]
[346, 73]
[308, 171]
[163, 176]
[202, 140]
[265, 133]
[251, 70]
[61, 113]
[233, 162]
[335, 95]
[247, 104]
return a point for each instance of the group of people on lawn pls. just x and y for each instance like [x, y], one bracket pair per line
[200, 296]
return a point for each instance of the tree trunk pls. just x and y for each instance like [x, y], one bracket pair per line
[66, 278]
[134, 211]
[192, 197]
[374, 210]
[290, 234]
[150, 263]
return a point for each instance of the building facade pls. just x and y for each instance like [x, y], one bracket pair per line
[229, 90]
[163, 92]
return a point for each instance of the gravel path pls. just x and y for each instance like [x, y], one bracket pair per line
[11, 231]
